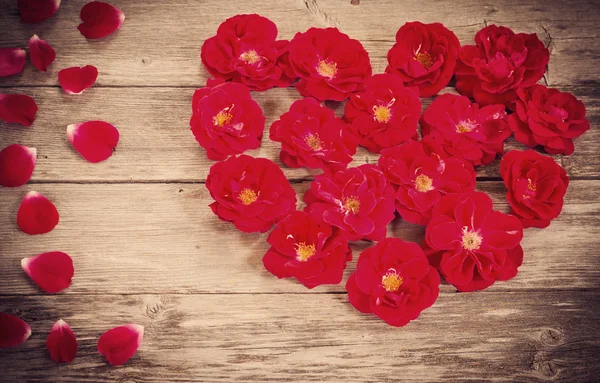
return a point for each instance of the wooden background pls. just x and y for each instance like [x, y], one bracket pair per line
[148, 250]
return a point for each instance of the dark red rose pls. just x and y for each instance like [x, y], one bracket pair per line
[360, 201]
[312, 251]
[252, 193]
[536, 186]
[501, 61]
[245, 50]
[330, 65]
[422, 173]
[472, 245]
[385, 113]
[548, 117]
[312, 136]
[394, 281]
[226, 120]
[424, 56]
[465, 130]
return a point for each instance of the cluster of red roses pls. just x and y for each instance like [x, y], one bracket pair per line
[430, 182]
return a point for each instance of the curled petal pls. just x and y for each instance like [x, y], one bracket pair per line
[94, 140]
[99, 19]
[61, 342]
[12, 61]
[51, 271]
[37, 215]
[13, 331]
[16, 165]
[17, 109]
[36, 11]
[41, 53]
[75, 80]
[119, 344]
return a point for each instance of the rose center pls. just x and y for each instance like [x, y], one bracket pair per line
[465, 127]
[248, 196]
[351, 204]
[327, 69]
[304, 251]
[425, 59]
[223, 118]
[423, 183]
[471, 240]
[382, 113]
[531, 189]
[314, 142]
[391, 281]
[250, 57]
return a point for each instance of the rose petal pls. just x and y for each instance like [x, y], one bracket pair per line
[51, 271]
[13, 331]
[37, 215]
[16, 165]
[18, 109]
[94, 140]
[12, 61]
[41, 53]
[75, 80]
[99, 20]
[119, 344]
[61, 342]
[36, 11]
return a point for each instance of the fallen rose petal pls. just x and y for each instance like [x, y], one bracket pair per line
[94, 140]
[75, 80]
[51, 271]
[41, 53]
[16, 165]
[37, 215]
[99, 19]
[13, 331]
[36, 11]
[119, 344]
[12, 61]
[61, 342]
[17, 108]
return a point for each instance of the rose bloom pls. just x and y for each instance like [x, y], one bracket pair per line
[472, 245]
[226, 120]
[422, 173]
[360, 201]
[548, 117]
[312, 251]
[252, 193]
[465, 130]
[330, 65]
[501, 61]
[424, 56]
[394, 281]
[245, 50]
[385, 113]
[312, 136]
[536, 186]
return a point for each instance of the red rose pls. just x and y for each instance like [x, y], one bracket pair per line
[422, 175]
[548, 117]
[394, 281]
[385, 113]
[312, 136]
[331, 65]
[309, 250]
[424, 56]
[536, 186]
[501, 61]
[360, 201]
[471, 244]
[252, 193]
[464, 130]
[245, 50]
[226, 120]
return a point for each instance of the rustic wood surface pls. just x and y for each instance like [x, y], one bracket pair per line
[148, 250]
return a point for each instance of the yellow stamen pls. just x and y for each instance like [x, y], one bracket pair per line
[423, 183]
[304, 251]
[425, 59]
[314, 142]
[471, 240]
[382, 113]
[250, 57]
[391, 281]
[351, 204]
[531, 186]
[248, 196]
[462, 129]
[223, 118]
[327, 69]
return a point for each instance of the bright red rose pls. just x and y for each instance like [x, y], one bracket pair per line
[252, 193]
[331, 65]
[226, 120]
[394, 281]
[245, 50]
[548, 117]
[424, 56]
[536, 186]
[472, 245]
[385, 113]
[312, 251]
[501, 61]
[465, 130]
[360, 201]
[422, 174]
[312, 136]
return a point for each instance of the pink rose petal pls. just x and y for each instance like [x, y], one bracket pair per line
[51, 271]
[119, 344]
[75, 80]
[61, 342]
[41, 53]
[12, 61]
[99, 19]
[16, 165]
[36, 11]
[37, 215]
[17, 109]
[13, 331]
[94, 140]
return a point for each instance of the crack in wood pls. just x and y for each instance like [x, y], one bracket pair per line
[314, 8]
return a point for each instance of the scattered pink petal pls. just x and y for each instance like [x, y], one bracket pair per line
[61, 343]
[37, 215]
[51, 271]
[13, 331]
[12, 61]
[119, 344]
[36, 11]
[94, 140]
[99, 19]
[75, 80]
[41, 53]
[17, 108]
[16, 165]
